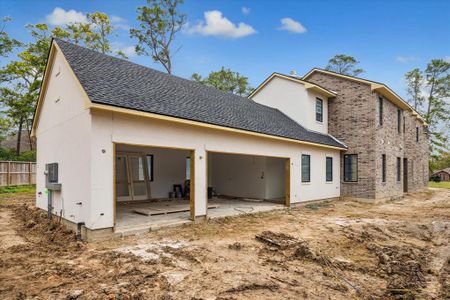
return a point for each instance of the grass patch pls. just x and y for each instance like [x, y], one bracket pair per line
[18, 189]
[442, 184]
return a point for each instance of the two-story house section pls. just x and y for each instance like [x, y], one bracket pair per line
[388, 142]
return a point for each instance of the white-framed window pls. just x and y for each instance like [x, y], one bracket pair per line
[319, 110]
[306, 168]
[329, 169]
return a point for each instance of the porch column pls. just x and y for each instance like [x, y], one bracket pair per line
[199, 184]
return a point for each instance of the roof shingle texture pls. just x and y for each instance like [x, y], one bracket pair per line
[112, 81]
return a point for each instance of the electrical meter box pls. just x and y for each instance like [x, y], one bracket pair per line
[51, 177]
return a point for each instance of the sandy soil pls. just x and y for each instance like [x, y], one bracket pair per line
[327, 250]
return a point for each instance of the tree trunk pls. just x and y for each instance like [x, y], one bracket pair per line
[19, 136]
[29, 135]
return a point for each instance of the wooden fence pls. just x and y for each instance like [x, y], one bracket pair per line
[17, 173]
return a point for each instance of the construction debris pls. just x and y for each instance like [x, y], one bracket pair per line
[395, 250]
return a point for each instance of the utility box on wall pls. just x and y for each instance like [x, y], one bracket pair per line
[51, 177]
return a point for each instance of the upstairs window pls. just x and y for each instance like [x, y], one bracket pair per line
[399, 169]
[383, 167]
[329, 169]
[380, 111]
[350, 167]
[399, 120]
[319, 110]
[306, 168]
[417, 134]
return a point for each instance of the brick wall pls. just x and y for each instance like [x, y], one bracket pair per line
[354, 119]
[389, 142]
[351, 119]
[417, 153]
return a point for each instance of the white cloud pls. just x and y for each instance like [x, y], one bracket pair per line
[216, 24]
[291, 25]
[129, 51]
[117, 19]
[245, 10]
[60, 17]
[406, 59]
[119, 22]
[447, 59]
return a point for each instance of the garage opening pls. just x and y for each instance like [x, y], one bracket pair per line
[152, 185]
[240, 183]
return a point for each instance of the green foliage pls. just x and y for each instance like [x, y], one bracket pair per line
[159, 21]
[414, 80]
[10, 154]
[344, 64]
[225, 80]
[7, 44]
[435, 178]
[18, 189]
[435, 80]
[440, 161]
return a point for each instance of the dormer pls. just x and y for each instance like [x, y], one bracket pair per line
[304, 102]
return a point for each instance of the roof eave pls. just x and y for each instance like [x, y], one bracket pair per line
[380, 88]
[138, 113]
[308, 85]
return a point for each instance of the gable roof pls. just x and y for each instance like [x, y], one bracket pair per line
[378, 87]
[446, 170]
[117, 83]
[308, 85]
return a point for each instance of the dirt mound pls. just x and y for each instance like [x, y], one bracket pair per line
[36, 226]
[280, 240]
[403, 265]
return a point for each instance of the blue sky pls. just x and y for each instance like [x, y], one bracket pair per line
[387, 37]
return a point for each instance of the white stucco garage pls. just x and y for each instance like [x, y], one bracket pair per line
[238, 147]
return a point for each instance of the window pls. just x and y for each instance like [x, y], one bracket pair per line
[329, 169]
[150, 166]
[383, 167]
[306, 168]
[417, 134]
[351, 167]
[319, 110]
[188, 168]
[399, 170]
[399, 120]
[380, 111]
[404, 126]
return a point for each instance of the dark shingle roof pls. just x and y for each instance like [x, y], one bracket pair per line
[112, 81]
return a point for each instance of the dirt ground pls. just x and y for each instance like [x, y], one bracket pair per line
[327, 250]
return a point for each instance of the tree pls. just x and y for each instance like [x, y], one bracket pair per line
[414, 80]
[435, 105]
[225, 80]
[159, 21]
[7, 44]
[440, 161]
[95, 34]
[21, 79]
[344, 64]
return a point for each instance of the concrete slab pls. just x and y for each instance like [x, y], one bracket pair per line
[131, 223]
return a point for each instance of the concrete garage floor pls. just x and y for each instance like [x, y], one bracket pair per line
[130, 222]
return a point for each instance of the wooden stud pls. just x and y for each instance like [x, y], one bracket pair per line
[192, 186]
[114, 185]
[287, 185]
